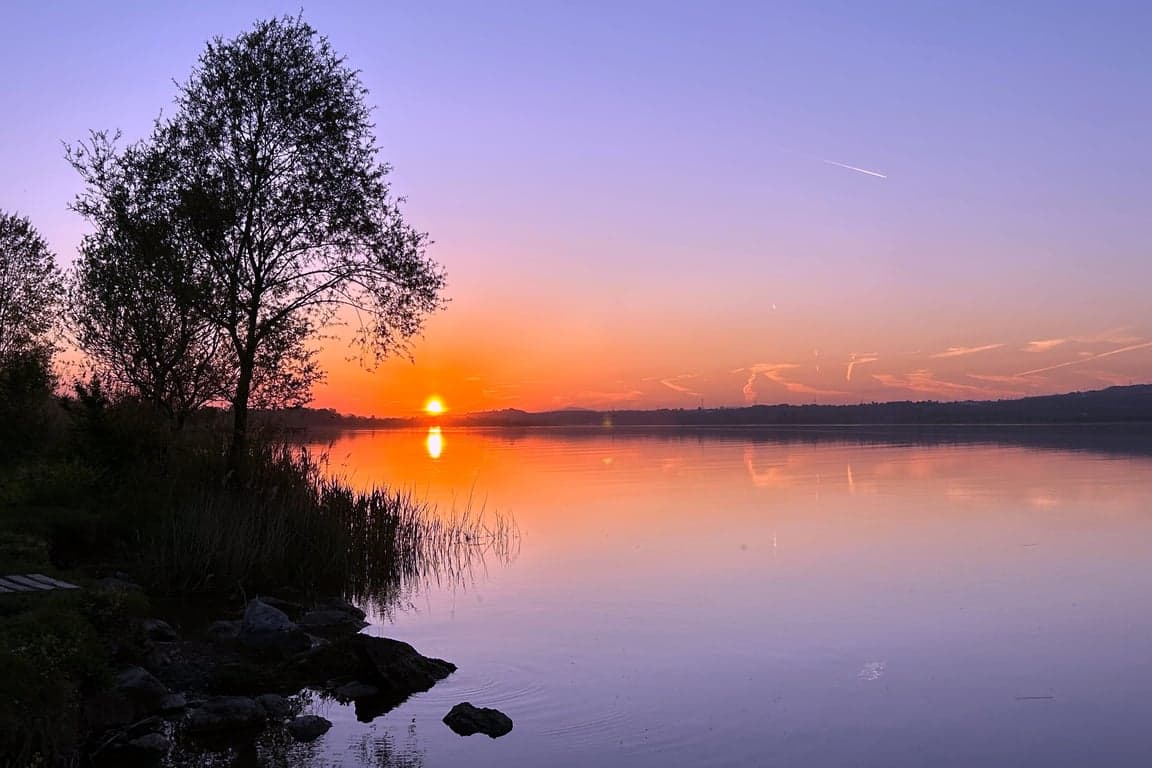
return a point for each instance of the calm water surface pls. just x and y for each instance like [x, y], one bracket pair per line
[688, 600]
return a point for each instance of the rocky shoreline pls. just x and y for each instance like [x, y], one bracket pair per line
[229, 682]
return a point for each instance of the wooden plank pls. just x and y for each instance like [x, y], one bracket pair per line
[28, 582]
[12, 586]
[55, 583]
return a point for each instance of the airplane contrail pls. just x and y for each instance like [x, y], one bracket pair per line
[853, 168]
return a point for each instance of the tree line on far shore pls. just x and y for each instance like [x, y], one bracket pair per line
[222, 245]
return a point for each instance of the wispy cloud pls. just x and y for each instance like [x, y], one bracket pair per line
[853, 168]
[859, 359]
[673, 383]
[1043, 345]
[775, 372]
[961, 351]
[924, 382]
[1088, 359]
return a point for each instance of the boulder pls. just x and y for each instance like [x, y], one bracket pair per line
[224, 713]
[267, 628]
[329, 621]
[308, 727]
[466, 720]
[275, 706]
[341, 605]
[396, 667]
[145, 693]
[159, 631]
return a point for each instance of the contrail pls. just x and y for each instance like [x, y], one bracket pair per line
[1131, 348]
[853, 168]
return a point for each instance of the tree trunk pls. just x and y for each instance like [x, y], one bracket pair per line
[238, 452]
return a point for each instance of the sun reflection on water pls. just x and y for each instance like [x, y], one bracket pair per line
[434, 443]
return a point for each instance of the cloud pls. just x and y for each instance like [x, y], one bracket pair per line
[672, 383]
[774, 372]
[961, 351]
[855, 360]
[1088, 359]
[854, 168]
[924, 382]
[1043, 345]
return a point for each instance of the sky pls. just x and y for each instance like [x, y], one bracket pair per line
[662, 204]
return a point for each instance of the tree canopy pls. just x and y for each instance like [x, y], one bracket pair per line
[260, 213]
[30, 287]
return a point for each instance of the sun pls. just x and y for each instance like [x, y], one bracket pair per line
[434, 406]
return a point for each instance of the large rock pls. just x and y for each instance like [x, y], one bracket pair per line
[466, 720]
[144, 692]
[331, 622]
[225, 713]
[267, 628]
[308, 727]
[393, 668]
[339, 604]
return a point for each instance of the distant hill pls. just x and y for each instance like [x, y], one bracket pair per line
[1115, 404]
[1132, 404]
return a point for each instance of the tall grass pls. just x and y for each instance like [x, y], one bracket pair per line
[294, 528]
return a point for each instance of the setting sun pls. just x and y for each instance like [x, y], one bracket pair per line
[434, 406]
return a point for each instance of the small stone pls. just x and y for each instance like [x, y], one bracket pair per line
[339, 604]
[466, 720]
[116, 584]
[331, 620]
[308, 727]
[223, 631]
[267, 628]
[274, 705]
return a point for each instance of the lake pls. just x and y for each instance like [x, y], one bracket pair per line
[737, 598]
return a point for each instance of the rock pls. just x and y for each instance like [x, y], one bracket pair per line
[397, 668]
[287, 606]
[343, 606]
[145, 692]
[107, 710]
[326, 621]
[173, 702]
[356, 690]
[152, 744]
[159, 631]
[224, 631]
[275, 706]
[466, 720]
[117, 584]
[308, 727]
[223, 713]
[267, 628]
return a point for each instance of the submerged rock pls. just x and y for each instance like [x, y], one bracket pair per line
[150, 745]
[223, 713]
[466, 720]
[308, 727]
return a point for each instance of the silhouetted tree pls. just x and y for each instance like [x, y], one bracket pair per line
[136, 294]
[282, 211]
[31, 288]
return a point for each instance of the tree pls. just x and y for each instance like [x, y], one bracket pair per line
[30, 287]
[135, 292]
[275, 199]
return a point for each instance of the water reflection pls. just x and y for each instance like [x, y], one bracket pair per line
[434, 443]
